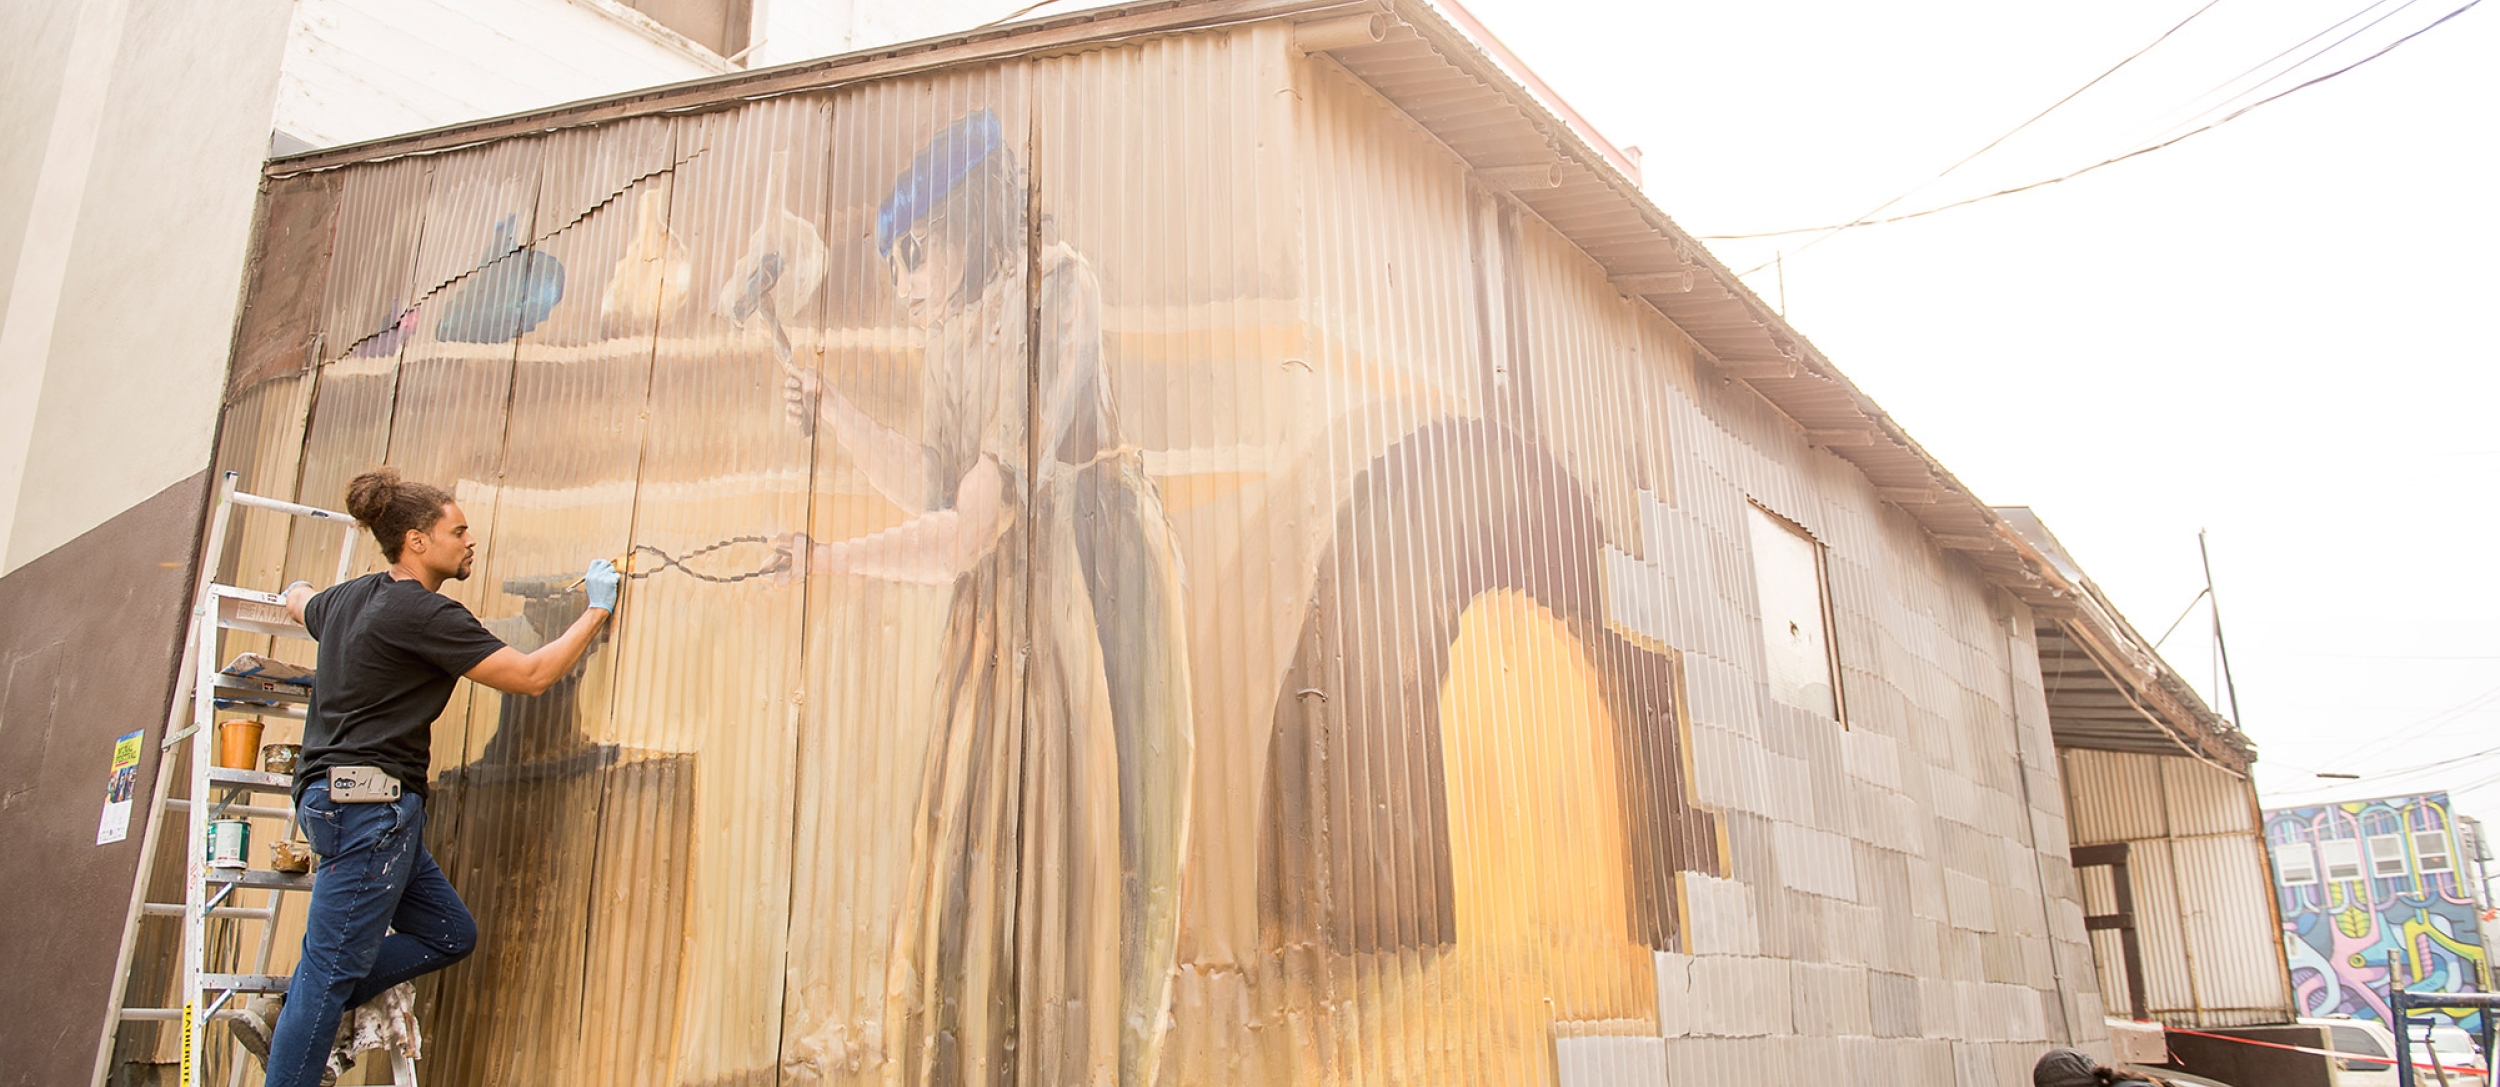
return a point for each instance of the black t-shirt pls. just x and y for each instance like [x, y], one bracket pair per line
[391, 651]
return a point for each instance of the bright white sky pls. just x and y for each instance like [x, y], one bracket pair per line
[2278, 331]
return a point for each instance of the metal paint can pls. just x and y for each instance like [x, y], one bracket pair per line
[280, 759]
[229, 843]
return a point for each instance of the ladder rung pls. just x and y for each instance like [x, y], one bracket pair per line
[239, 913]
[260, 879]
[291, 509]
[171, 1015]
[261, 810]
[251, 779]
[168, 1015]
[255, 611]
[244, 983]
[233, 689]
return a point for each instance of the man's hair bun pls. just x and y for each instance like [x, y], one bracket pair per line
[369, 495]
[393, 507]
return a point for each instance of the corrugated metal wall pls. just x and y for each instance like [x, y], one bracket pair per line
[2203, 898]
[1277, 615]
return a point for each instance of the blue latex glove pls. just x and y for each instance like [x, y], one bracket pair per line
[603, 583]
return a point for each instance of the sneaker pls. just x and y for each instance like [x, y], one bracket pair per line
[255, 1023]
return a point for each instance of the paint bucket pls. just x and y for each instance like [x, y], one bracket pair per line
[280, 759]
[229, 843]
[238, 743]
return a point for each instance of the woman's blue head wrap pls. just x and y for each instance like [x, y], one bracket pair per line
[935, 171]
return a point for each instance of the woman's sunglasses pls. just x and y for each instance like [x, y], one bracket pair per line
[908, 253]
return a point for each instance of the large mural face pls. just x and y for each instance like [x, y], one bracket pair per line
[2369, 883]
[1141, 573]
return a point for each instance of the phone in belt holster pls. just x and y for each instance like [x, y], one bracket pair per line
[362, 785]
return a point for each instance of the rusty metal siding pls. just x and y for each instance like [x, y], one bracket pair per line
[2204, 900]
[1327, 648]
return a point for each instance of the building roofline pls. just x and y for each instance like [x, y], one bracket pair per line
[2155, 711]
[2418, 795]
[1090, 28]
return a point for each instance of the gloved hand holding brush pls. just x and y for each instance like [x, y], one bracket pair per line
[602, 583]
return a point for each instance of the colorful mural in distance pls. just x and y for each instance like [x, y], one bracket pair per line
[2339, 933]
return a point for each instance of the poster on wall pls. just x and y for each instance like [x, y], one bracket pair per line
[119, 786]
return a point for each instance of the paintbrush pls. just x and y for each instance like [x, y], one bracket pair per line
[623, 570]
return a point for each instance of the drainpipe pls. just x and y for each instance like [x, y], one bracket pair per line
[2031, 829]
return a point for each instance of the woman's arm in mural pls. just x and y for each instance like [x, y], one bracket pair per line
[1072, 355]
[931, 549]
[898, 467]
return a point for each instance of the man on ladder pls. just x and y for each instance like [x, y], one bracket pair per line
[392, 649]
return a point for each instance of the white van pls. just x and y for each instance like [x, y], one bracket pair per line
[2365, 1039]
[2454, 1049]
[2361, 1040]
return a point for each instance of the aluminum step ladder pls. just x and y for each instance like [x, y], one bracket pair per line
[214, 992]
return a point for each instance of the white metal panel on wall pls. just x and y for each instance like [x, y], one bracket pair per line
[2203, 902]
[2240, 975]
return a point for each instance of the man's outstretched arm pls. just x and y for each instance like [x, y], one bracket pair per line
[513, 672]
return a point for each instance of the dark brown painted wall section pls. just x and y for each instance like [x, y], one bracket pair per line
[2233, 1062]
[89, 639]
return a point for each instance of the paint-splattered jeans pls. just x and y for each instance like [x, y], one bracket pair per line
[381, 913]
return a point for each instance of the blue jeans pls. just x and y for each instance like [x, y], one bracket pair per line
[381, 913]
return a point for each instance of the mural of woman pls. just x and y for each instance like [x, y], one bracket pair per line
[1035, 939]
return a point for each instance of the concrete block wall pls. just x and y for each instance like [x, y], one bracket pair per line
[1897, 906]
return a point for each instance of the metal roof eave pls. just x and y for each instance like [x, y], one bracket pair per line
[2106, 686]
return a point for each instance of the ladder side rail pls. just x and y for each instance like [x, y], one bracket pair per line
[347, 556]
[274, 901]
[275, 898]
[196, 1013]
[195, 686]
[212, 551]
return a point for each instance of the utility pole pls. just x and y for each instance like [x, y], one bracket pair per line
[2229, 688]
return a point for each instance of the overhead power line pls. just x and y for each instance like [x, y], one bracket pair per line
[1990, 145]
[2112, 161]
[2436, 764]
[2385, 778]
[2252, 69]
[2473, 785]
[2425, 726]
